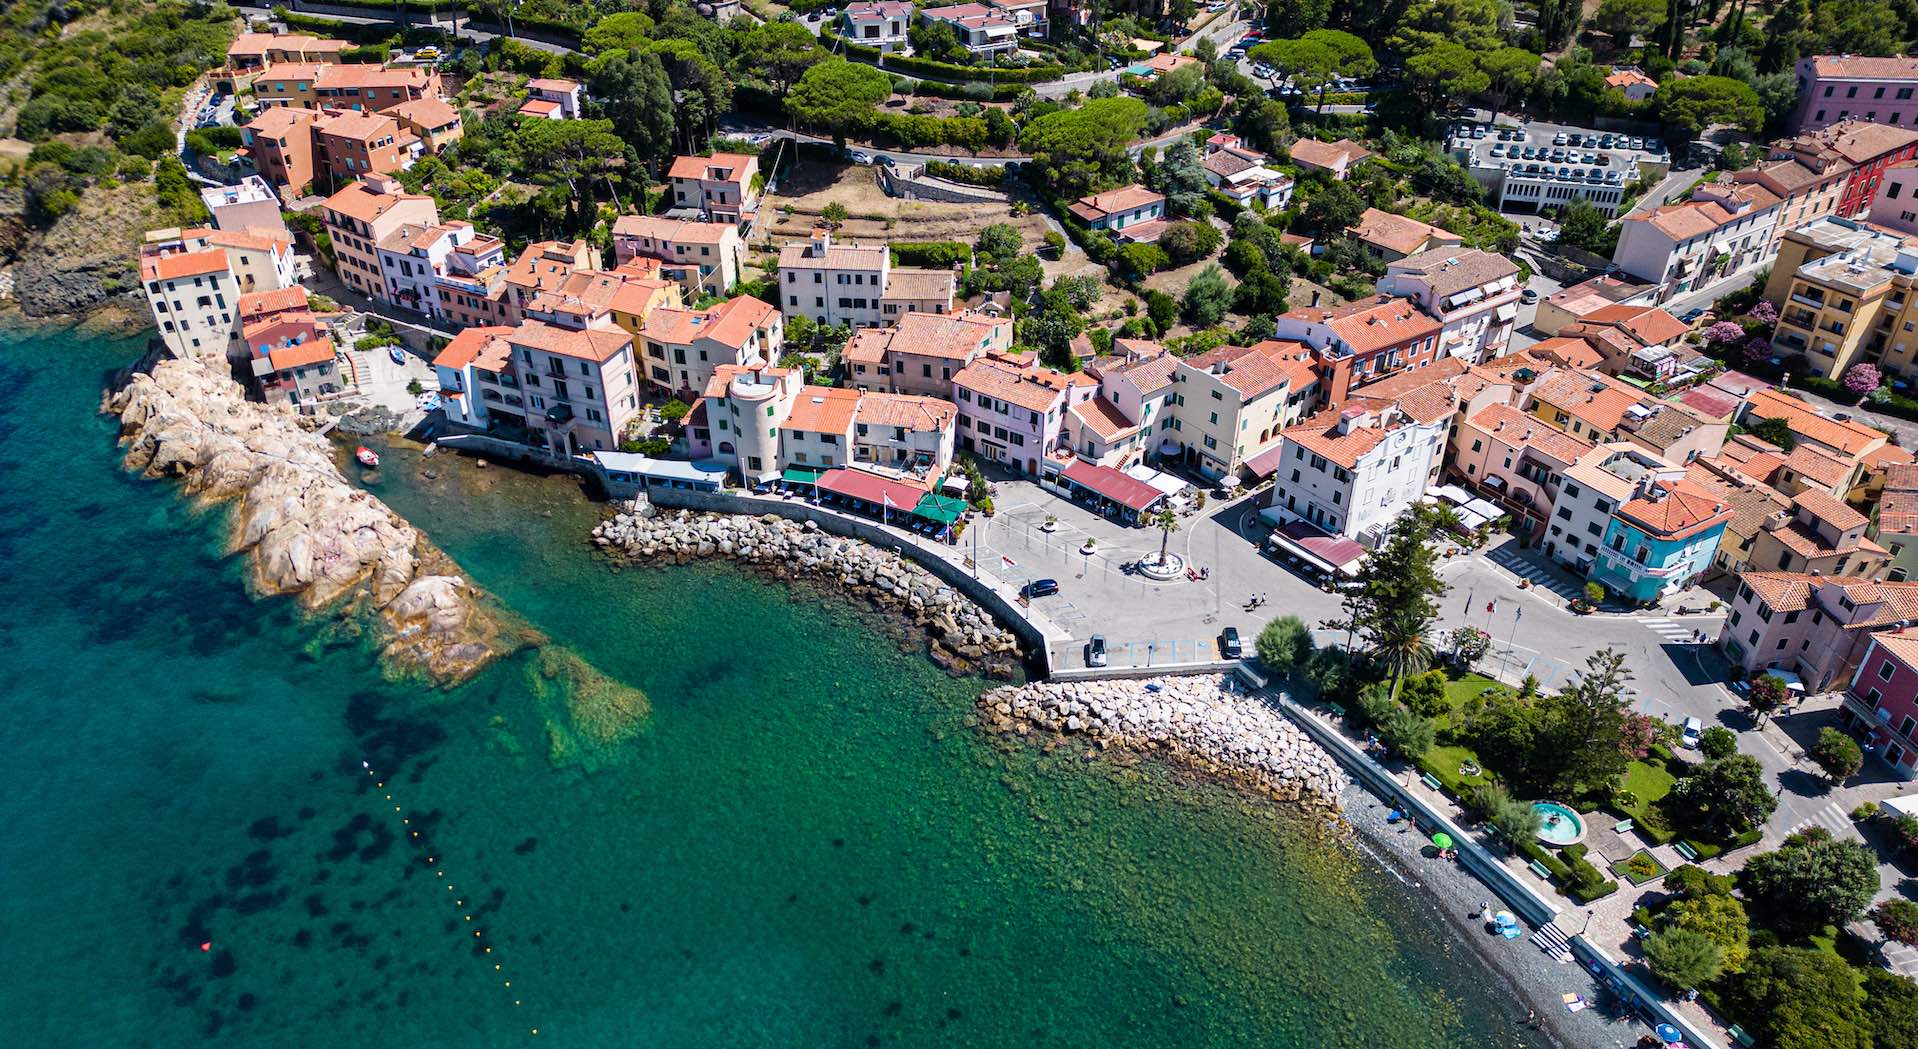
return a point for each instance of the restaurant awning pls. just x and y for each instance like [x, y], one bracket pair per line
[1129, 492]
[801, 474]
[1326, 552]
[1266, 463]
[870, 488]
[940, 509]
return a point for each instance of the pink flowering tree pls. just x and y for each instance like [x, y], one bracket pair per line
[1757, 351]
[1764, 312]
[1636, 736]
[1724, 332]
[1863, 379]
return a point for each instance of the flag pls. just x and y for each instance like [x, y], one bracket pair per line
[1010, 563]
[1490, 607]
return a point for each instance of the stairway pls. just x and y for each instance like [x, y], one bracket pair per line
[1552, 941]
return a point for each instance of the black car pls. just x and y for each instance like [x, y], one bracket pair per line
[1040, 588]
[1229, 645]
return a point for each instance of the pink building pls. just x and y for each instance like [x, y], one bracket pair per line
[1015, 415]
[1837, 87]
[1882, 698]
[1815, 626]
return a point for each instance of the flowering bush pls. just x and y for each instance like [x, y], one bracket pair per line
[1724, 331]
[1862, 379]
[1757, 350]
[1764, 312]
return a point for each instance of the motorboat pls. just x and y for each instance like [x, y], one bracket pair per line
[367, 457]
[398, 355]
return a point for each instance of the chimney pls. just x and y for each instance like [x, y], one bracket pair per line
[1315, 296]
[821, 239]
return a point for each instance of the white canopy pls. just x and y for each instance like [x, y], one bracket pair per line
[1164, 482]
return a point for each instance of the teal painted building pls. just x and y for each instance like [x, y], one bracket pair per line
[1660, 541]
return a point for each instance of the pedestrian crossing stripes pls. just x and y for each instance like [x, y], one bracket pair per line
[1902, 959]
[1552, 941]
[1681, 632]
[1830, 817]
[1542, 577]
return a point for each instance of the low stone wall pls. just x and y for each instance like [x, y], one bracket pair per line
[1194, 720]
[963, 636]
[910, 182]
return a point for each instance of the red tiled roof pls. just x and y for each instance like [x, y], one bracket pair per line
[1685, 511]
[313, 351]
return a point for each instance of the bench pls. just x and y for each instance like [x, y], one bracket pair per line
[1431, 781]
[1740, 1035]
[1690, 854]
[1540, 869]
[1337, 711]
[1623, 827]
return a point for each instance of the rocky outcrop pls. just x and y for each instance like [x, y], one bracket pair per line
[308, 531]
[1199, 721]
[963, 635]
[87, 258]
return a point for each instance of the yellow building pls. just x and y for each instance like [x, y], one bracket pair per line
[1844, 296]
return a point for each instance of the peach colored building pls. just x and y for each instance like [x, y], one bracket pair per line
[363, 214]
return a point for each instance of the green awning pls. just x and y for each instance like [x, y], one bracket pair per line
[943, 509]
[802, 474]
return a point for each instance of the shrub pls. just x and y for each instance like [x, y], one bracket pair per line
[1898, 919]
[1718, 742]
[1285, 645]
[934, 254]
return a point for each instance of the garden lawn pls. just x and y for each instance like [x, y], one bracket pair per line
[1442, 762]
[1458, 690]
[1648, 781]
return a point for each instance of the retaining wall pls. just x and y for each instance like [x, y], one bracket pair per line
[1001, 600]
[1210, 666]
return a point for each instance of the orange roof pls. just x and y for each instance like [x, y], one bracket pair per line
[256, 303]
[1594, 399]
[1397, 232]
[674, 231]
[1320, 434]
[1902, 644]
[484, 346]
[176, 265]
[718, 167]
[823, 409]
[1373, 323]
[426, 112]
[363, 127]
[592, 344]
[910, 412]
[1808, 461]
[951, 336]
[359, 202]
[539, 107]
[1095, 206]
[1650, 325]
[1851, 437]
[1314, 153]
[552, 84]
[1622, 78]
[1828, 509]
[312, 351]
[276, 121]
[1516, 429]
[1103, 418]
[1035, 389]
[1685, 510]
[354, 76]
[1569, 351]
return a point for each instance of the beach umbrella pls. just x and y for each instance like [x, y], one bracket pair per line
[1442, 840]
[1668, 1034]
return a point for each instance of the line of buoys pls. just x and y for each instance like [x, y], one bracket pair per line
[438, 872]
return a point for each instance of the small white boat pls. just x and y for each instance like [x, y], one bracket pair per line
[398, 355]
[366, 456]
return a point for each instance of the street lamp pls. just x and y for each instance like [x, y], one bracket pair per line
[1588, 921]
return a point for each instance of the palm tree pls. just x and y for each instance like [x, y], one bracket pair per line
[1445, 518]
[1166, 520]
[1400, 644]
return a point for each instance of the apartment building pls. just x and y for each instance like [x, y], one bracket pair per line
[1820, 535]
[724, 187]
[581, 385]
[1661, 540]
[1352, 472]
[879, 24]
[982, 30]
[1755, 505]
[1881, 699]
[704, 257]
[193, 296]
[544, 266]
[1868, 149]
[357, 86]
[619, 298]
[255, 52]
[1809, 184]
[279, 141]
[1646, 341]
[1894, 523]
[1233, 403]
[1130, 417]
[351, 145]
[1517, 460]
[1587, 405]
[1832, 88]
[414, 256]
[435, 123]
[362, 215]
[1813, 626]
[1014, 415]
[1473, 294]
[1130, 213]
[250, 204]
[684, 348]
[857, 284]
[471, 287]
[1389, 238]
[923, 351]
[292, 358]
[258, 259]
[1590, 492]
[904, 433]
[1842, 307]
[479, 384]
[1336, 159]
[1363, 341]
[1244, 174]
[1678, 247]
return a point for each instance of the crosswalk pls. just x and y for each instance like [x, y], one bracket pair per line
[1552, 941]
[1557, 582]
[1831, 817]
[1680, 632]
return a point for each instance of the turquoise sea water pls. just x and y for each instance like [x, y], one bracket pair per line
[807, 846]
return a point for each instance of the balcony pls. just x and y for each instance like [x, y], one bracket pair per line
[1806, 300]
[1635, 568]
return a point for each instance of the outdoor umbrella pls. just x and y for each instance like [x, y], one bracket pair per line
[1442, 840]
[1667, 1033]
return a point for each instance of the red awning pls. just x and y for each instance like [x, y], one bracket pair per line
[872, 488]
[1266, 463]
[1332, 553]
[1121, 488]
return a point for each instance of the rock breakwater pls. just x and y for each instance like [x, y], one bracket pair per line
[963, 636]
[1194, 720]
[308, 532]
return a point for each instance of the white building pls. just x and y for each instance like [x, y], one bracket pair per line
[878, 24]
[683, 348]
[1474, 294]
[249, 204]
[414, 257]
[1351, 473]
[1593, 489]
[981, 30]
[856, 284]
[194, 298]
[704, 257]
[1244, 174]
[1683, 246]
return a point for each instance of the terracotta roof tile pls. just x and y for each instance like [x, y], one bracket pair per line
[1516, 429]
[1398, 233]
[1684, 510]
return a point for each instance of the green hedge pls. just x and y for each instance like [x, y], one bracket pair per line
[932, 68]
[1580, 880]
[931, 254]
[971, 174]
[1710, 849]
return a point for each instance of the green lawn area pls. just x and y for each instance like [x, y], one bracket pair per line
[1443, 762]
[1648, 781]
[1469, 687]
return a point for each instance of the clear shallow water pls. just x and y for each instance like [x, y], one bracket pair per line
[807, 846]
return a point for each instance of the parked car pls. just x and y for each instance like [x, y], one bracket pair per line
[1229, 644]
[1689, 733]
[1040, 588]
[1693, 314]
[427, 54]
[1559, 139]
[1096, 651]
[1528, 296]
[859, 156]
